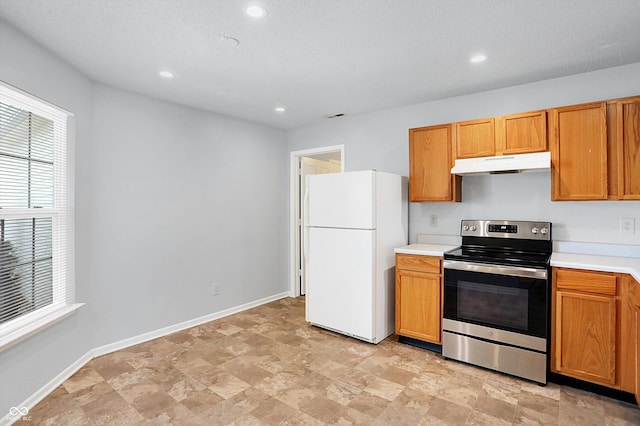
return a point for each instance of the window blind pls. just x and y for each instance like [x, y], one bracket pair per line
[33, 209]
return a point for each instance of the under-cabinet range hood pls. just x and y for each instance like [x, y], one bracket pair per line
[536, 162]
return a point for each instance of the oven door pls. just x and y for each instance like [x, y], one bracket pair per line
[500, 297]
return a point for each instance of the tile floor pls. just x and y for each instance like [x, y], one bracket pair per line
[267, 366]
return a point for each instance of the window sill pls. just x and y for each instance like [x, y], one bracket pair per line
[16, 334]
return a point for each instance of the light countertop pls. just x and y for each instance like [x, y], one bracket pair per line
[425, 249]
[593, 256]
[626, 265]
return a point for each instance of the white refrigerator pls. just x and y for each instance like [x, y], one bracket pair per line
[353, 222]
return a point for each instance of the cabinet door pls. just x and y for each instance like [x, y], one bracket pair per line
[430, 162]
[418, 307]
[628, 148]
[523, 133]
[579, 152]
[629, 289]
[475, 138]
[585, 336]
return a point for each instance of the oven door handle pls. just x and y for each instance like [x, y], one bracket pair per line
[514, 271]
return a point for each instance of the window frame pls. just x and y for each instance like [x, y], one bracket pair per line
[63, 304]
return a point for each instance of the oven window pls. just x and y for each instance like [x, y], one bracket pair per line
[491, 304]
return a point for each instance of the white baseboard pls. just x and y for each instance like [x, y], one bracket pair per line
[31, 402]
[122, 344]
[38, 396]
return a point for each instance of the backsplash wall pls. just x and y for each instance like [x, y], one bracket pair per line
[527, 196]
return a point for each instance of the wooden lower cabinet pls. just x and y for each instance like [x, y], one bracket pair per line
[632, 338]
[585, 336]
[594, 337]
[418, 297]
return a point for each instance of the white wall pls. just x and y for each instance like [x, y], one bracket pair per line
[380, 141]
[180, 199]
[168, 201]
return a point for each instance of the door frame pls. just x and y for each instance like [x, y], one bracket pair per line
[294, 202]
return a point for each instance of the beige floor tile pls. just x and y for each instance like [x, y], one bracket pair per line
[497, 408]
[526, 416]
[83, 378]
[616, 411]
[538, 403]
[449, 412]
[91, 393]
[369, 404]
[383, 388]
[57, 402]
[322, 409]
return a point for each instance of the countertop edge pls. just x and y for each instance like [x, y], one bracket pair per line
[625, 265]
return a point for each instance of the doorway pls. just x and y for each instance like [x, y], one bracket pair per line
[329, 159]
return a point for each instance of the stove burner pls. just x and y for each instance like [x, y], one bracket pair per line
[517, 243]
[499, 257]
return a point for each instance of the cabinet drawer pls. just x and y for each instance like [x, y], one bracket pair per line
[591, 282]
[411, 262]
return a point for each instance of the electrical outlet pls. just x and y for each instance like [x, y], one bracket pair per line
[215, 288]
[433, 220]
[627, 225]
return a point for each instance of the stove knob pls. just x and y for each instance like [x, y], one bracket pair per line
[534, 230]
[544, 231]
[473, 228]
[465, 228]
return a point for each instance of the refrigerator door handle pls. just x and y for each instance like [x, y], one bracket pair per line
[305, 261]
[305, 235]
[305, 208]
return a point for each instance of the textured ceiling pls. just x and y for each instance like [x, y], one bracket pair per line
[320, 57]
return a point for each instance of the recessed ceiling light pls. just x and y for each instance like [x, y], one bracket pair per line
[255, 11]
[165, 74]
[279, 109]
[478, 58]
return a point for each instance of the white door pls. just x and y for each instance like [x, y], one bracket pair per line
[340, 265]
[341, 200]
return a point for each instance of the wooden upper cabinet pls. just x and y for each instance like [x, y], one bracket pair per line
[579, 152]
[506, 135]
[522, 133]
[475, 138]
[430, 162]
[624, 144]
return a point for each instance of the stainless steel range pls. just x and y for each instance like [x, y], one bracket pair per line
[496, 297]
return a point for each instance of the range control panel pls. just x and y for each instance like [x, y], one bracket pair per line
[524, 230]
